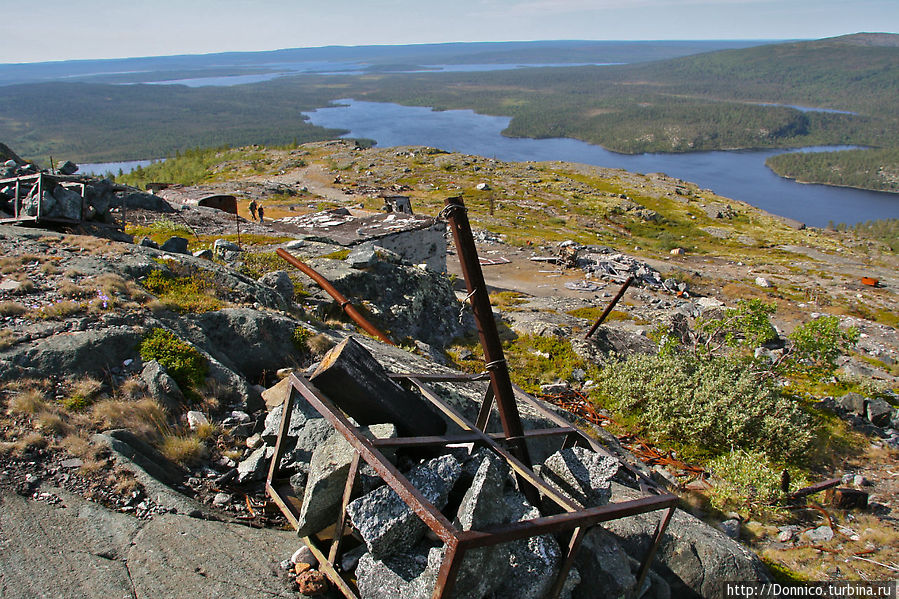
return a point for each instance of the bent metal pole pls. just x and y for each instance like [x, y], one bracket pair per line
[339, 297]
[489, 337]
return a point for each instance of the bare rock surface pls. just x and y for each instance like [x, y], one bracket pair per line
[95, 553]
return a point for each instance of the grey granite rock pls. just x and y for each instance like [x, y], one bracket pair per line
[582, 474]
[386, 523]
[327, 478]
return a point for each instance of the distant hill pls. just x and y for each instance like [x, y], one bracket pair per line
[836, 91]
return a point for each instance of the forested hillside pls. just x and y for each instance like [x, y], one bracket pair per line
[729, 99]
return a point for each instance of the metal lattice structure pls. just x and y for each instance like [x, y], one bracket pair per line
[567, 518]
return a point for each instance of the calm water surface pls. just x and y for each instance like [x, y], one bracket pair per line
[741, 175]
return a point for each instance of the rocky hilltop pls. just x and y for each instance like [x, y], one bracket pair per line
[145, 352]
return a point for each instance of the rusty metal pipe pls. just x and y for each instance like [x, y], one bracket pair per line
[489, 337]
[609, 308]
[342, 301]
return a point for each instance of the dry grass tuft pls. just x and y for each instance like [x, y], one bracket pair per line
[206, 431]
[7, 339]
[133, 388]
[125, 482]
[11, 309]
[145, 417]
[33, 440]
[82, 393]
[51, 422]
[60, 310]
[74, 290]
[78, 445]
[27, 402]
[184, 450]
[319, 345]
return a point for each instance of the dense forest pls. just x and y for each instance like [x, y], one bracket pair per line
[867, 169]
[728, 99]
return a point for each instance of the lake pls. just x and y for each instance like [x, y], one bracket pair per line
[101, 168]
[741, 175]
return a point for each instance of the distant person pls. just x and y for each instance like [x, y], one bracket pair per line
[261, 212]
[252, 209]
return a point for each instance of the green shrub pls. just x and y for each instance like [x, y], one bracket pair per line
[300, 338]
[711, 403]
[818, 343]
[744, 480]
[181, 361]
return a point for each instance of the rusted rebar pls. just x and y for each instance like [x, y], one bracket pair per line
[610, 307]
[497, 367]
[342, 301]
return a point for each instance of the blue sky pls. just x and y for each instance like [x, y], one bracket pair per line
[55, 30]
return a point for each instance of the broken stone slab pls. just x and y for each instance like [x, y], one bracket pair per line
[603, 564]
[161, 386]
[482, 570]
[878, 412]
[255, 467]
[386, 523]
[534, 562]
[582, 474]
[301, 413]
[327, 477]
[407, 575]
[351, 377]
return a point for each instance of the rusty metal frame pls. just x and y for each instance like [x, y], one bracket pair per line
[38, 179]
[510, 446]
[573, 518]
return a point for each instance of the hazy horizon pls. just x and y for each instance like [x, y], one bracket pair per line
[103, 29]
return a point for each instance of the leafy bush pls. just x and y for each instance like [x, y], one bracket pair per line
[744, 479]
[712, 403]
[817, 344]
[746, 326]
[181, 361]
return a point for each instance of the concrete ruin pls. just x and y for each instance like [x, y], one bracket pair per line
[191, 196]
[417, 239]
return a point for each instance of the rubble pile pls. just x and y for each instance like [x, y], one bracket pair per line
[607, 264]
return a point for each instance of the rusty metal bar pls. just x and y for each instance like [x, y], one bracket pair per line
[521, 470]
[341, 516]
[342, 301]
[486, 407]
[650, 555]
[328, 567]
[505, 533]
[493, 350]
[577, 536]
[446, 577]
[473, 437]
[411, 496]
[815, 488]
[610, 307]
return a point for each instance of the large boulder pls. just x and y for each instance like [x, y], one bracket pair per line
[249, 341]
[81, 352]
[693, 557]
[407, 301]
